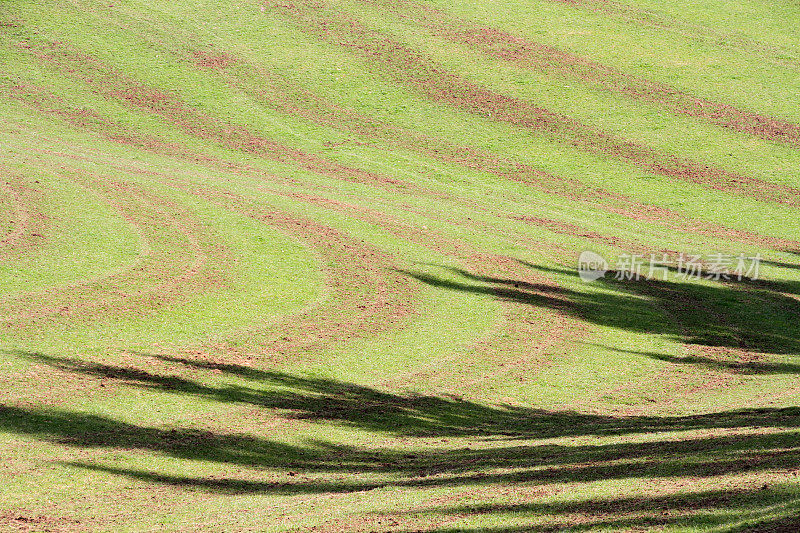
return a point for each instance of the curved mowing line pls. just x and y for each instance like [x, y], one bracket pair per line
[365, 293]
[327, 113]
[674, 383]
[352, 267]
[536, 56]
[522, 320]
[518, 347]
[179, 258]
[288, 98]
[634, 210]
[118, 132]
[112, 84]
[331, 115]
[424, 76]
[473, 159]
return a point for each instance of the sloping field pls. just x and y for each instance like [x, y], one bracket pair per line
[303, 265]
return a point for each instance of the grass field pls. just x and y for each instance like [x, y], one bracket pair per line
[303, 265]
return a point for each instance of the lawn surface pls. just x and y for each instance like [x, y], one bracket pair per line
[311, 265]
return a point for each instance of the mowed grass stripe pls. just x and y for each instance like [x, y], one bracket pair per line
[174, 260]
[310, 334]
[714, 68]
[54, 249]
[528, 54]
[420, 74]
[439, 149]
[484, 387]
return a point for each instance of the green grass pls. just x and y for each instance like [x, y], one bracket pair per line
[299, 292]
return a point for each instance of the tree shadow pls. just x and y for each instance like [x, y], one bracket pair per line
[696, 510]
[739, 367]
[324, 399]
[781, 264]
[512, 449]
[756, 316]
